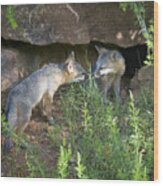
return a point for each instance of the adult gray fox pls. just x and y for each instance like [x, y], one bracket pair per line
[41, 84]
[110, 66]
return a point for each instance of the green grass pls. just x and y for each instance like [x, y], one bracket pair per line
[102, 141]
[115, 142]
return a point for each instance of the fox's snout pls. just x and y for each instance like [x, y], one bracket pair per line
[95, 71]
[97, 74]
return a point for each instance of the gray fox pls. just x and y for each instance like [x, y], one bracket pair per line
[110, 66]
[41, 84]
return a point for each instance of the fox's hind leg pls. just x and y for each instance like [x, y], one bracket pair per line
[12, 121]
[18, 119]
[24, 115]
[11, 117]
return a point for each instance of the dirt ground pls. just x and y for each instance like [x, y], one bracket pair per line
[14, 162]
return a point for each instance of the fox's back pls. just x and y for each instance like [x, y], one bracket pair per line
[32, 88]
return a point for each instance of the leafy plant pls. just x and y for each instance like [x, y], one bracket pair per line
[64, 157]
[80, 168]
[35, 165]
[11, 17]
[136, 140]
[6, 128]
[114, 142]
[138, 8]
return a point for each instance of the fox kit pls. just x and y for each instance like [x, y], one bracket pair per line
[41, 84]
[110, 66]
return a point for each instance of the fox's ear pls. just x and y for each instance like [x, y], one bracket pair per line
[71, 57]
[72, 54]
[69, 62]
[69, 67]
[100, 50]
[114, 55]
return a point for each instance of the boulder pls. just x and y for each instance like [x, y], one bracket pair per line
[78, 23]
[143, 80]
[9, 69]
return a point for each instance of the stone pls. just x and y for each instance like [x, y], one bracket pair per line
[143, 80]
[78, 23]
[146, 73]
[9, 69]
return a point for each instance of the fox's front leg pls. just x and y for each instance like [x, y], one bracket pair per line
[117, 89]
[47, 106]
[107, 84]
[105, 93]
